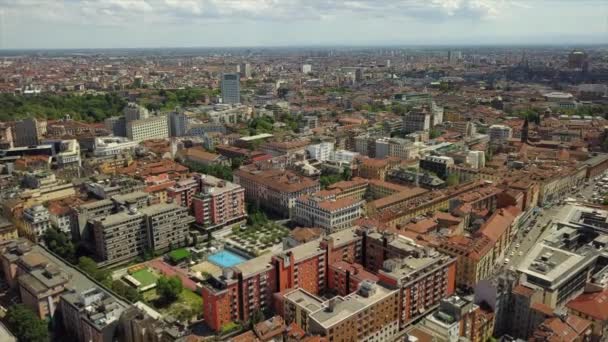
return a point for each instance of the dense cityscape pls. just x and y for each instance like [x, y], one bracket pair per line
[429, 193]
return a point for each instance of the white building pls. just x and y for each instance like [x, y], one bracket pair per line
[344, 156]
[321, 152]
[110, 146]
[477, 159]
[328, 213]
[244, 69]
[156, 127]
[500, 133]
[37, 220]
[306, 68]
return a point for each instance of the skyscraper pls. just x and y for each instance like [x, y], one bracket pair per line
[231, 88]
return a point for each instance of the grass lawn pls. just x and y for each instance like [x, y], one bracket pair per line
[179, 255]
[145, 277]
[187, 305]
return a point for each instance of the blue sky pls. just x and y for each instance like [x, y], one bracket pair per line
[200, 23]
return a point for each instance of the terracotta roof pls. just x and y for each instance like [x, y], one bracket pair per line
[200, 154]
[523, 290]
[278, 180]
[593, 304]
[557, 330]
[497, 225]
[303, 234]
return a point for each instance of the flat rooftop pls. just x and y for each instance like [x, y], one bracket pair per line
[305, 300]
[348, 306]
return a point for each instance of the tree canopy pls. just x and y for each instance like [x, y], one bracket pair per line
[169, 288]
[88, 107]
[59, 243]
[26, 325]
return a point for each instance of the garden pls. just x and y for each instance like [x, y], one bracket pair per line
[256, 239]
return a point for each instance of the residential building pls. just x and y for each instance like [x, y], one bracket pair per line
[327, 212]
[182, 193]
[592, 306]
[372, 168]
[8, 231]
[306, 68]
[231, 88]
[244, 70]
[133, 112]
[422, 276]
[156, 127]
[321, 152]
[41, 287]
[274, 189]
[370, 314]
[36, 221]
[439, 165]
[344, 156]
[129, 233]
[220, 203]
[90, 315]
[345, 278]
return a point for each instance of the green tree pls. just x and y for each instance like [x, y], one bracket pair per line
[169, 288]
[26, 326]
[89, 266]
[347, 174]
[59, 243]
[126, 291]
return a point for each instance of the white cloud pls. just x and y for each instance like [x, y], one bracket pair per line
[124, 11]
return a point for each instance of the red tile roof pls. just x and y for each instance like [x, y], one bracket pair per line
[593, 304]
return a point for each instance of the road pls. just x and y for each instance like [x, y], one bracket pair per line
[525, 240]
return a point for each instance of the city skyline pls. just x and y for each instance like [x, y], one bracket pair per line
[76, 24]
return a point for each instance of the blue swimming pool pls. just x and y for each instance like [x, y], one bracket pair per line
[225, 259]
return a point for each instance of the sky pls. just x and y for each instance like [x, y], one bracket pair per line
[59, 24]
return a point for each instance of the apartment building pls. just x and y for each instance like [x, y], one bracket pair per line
[183, 192]
[40, 288]
[321, 152]
[36, 221]
[375, 168]
[90, 315]
[370, 314]
[129, 233]
[423, 276]
[327, 212]
[29, 131]
[345, 278]
[274, 189]
[219, 203]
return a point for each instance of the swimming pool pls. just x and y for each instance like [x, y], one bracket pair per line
[225, 258]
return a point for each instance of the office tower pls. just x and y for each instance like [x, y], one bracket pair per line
[156, 127]
[417, 120]
[29, 131]
[306, 68]
[231, 88]
[178, 124]
[244, 70]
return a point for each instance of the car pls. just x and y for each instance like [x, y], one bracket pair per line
[512, 254]
[506, 261]
[517, 245]
[520, 253]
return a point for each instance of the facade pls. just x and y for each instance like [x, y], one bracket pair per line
[90, 315]
[41, 287]
[219, 203]
[418, 120]
[244, 70]
[8, 231]
[439, 165]
[156, 127]
[500, 133]
[274, 189]
[178, 124]
[112, 146]
[327, 213]
[28, 132]
[36, 221]
[344, 318]
[321, 152]
[127, 234]
[231, 88]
